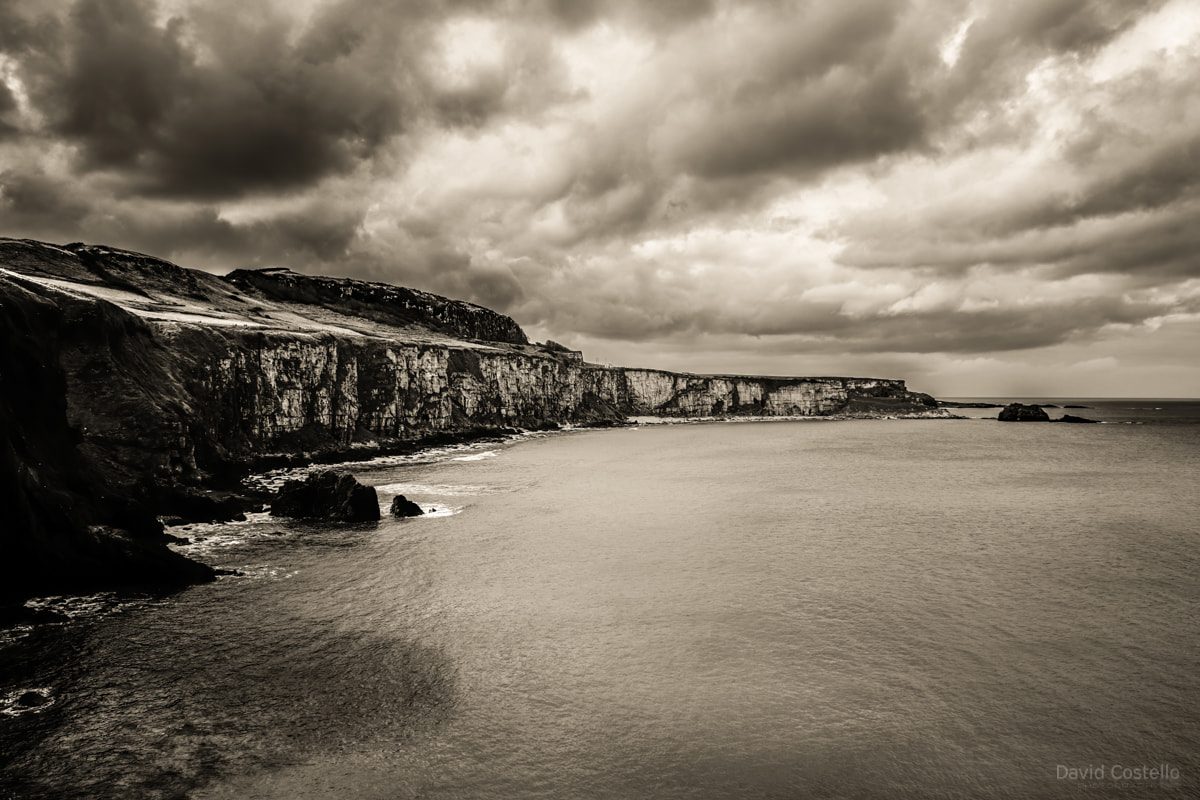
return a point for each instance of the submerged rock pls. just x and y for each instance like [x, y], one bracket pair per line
[327, 495]
[1019, 412]
[31, 700]
[403, 507]
[1073, 418]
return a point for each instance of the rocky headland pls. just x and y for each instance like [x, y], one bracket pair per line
[132, 388]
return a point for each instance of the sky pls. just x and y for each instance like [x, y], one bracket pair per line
[982, 198]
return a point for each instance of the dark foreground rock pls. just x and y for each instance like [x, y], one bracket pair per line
[1073, 418]
[1019, 412]
[403, 507]
[327, 495]
[65, 526]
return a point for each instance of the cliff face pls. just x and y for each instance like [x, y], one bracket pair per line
[272, 392]
[657, 393]
[144, 374]
[63, 525]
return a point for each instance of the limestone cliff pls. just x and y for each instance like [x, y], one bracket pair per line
[163, 376]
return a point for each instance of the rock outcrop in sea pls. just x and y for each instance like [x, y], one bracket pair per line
[128, 382]
[327, 495]
[403, 507]
[1020, 412]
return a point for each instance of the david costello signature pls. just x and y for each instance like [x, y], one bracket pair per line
[1118, 773]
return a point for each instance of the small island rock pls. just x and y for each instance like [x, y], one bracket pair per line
[1019, 412]
[327, 495]
[403, 507]
[1073, 418]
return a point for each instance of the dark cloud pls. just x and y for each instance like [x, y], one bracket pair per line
[8, 112]
[306, 239]
[1048, 25]
[32, 201]
[121, 78]
[1168, 172]
[663, 16]
[993, 331]
[1147, 247]
[1154, 247]
[814, 326]
[839, 118]
[823, 93]
[24, 25]
[220, 105]
[1006, 39]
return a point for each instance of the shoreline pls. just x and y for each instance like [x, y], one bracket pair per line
[53, 608]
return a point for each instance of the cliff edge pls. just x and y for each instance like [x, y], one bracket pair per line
[127, 379]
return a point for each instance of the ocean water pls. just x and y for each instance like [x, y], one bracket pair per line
[874, 608]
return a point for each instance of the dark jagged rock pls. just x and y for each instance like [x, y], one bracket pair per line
[191, 505]
[327, 495]
[32, 699]
[403, 507]
[1019, 412]
[64, 527]
[12, 614]
[1073, 418]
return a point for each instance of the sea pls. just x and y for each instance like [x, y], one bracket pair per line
[887, 608]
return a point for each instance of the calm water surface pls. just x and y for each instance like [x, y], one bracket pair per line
[756, 610]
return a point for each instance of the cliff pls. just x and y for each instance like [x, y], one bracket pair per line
[63, 525]
[150, 378]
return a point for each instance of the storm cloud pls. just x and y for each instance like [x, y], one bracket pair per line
[767, 186]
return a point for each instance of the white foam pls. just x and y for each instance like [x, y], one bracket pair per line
[264, 571]
[443, 511]
[431, 512]
[435, 489]
[210, 537]
[478, 456]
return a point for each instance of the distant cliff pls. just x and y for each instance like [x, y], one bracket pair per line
[125, 377]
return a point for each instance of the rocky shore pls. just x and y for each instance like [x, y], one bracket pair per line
[133, 388]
